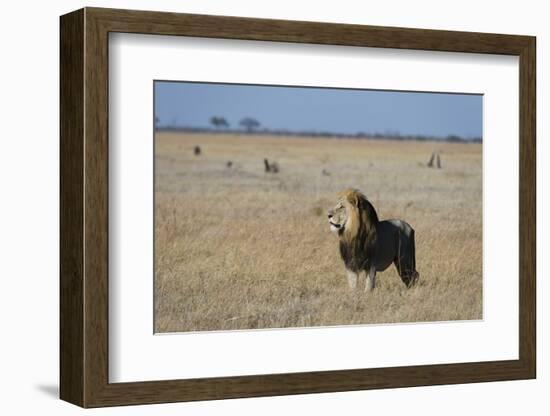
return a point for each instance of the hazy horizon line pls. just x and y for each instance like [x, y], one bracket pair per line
[318, 134]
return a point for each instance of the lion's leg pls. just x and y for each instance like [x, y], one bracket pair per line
[370, 279]
[402, 270]
[405, 262]
[408, 275]
[352, 279]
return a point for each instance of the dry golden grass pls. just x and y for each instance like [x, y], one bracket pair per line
[237, 248]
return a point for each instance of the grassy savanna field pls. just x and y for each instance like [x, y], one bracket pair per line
[238, 248]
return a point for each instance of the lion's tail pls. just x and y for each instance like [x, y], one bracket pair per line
[413, 251]
[414, 275]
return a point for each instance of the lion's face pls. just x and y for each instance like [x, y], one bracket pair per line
[338, 216]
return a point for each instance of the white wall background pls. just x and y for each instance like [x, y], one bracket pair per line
[29, 85]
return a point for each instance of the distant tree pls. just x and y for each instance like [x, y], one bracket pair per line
[157, 122]
[219, 122]
[454, 138]
[249, 124]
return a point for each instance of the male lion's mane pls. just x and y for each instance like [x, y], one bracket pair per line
[358, 239]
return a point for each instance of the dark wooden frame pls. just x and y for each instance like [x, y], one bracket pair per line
[84, 207]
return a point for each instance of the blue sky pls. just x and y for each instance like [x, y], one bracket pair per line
[320, 109]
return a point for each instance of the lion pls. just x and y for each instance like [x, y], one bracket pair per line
[368, 245]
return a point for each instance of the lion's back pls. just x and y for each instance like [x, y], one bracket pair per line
[398, 225]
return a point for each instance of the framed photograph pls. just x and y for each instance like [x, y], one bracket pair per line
[254, 207]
